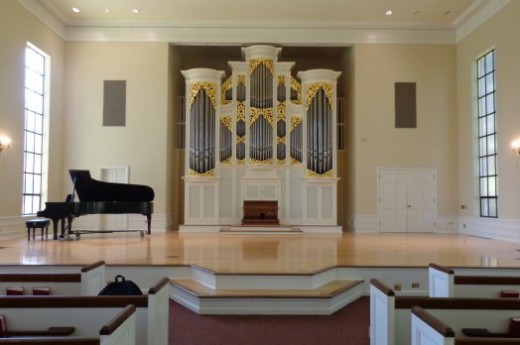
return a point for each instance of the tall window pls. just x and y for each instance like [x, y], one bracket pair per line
[487, 134]
[36, 74]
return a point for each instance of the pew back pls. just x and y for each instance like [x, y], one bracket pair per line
[443, 282]
[87, 282]
[428, 329]
[151, 314]
[390, 315]
[119, 329]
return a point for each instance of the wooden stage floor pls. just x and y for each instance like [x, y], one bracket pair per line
[270, 253]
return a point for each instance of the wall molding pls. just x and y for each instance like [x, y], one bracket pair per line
[369, 224]
[494, 228]
[301, 33]
[15, 226]
[477, 15]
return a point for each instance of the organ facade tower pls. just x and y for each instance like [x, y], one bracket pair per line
[261, 134]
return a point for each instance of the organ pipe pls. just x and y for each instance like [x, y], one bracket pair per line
[319, 126]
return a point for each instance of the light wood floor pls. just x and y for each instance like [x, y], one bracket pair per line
[293, 253]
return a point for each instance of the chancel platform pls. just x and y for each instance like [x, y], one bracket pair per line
[267, 253]
[305, 273]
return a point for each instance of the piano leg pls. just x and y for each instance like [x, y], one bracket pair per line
[69, 225]
[149, 219]
[55, 228]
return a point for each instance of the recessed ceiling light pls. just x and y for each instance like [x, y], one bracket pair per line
[75, 10]
[417, 13]
[135, 11]
[106, 10]
[388, 12]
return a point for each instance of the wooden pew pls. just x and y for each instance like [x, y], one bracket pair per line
[151, 315]
[429, 329]
[87, 282]
[120, 330]
[443, 282]
[390, 315]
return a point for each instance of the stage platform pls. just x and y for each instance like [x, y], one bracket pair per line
[268, 266]
[268, 253]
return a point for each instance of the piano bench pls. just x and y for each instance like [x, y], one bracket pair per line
[32, 225]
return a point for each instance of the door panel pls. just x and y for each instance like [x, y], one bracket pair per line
[422, 200]
[392, 201]
[407, 200]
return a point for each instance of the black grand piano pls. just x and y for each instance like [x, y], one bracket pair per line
[98, 197]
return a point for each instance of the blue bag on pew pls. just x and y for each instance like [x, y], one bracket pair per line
[121, 286]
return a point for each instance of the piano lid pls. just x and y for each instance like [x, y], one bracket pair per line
[89, 189]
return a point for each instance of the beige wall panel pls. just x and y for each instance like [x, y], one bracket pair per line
[379, 144]
[501, 33]
[142, 144]
[17, 27]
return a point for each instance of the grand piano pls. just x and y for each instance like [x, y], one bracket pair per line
[98, 197]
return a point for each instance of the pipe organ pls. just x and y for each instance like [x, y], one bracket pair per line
[261, 134]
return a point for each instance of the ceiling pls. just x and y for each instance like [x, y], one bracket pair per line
[408, 12]
[287, 22]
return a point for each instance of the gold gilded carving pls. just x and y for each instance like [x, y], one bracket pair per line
[281, 111]
[223, 89]
[280, 140]
[241, 79]
[312, 89]
[241, 111]
[267, 113]
[226, 161]
[253, 64]
[241, 140]
[209, 173]
[227, 121]
[296, 86]
[281, 79]
[295, 161]
[210, 88]
[281, 162]
[295, 121]
[241, 161]
[310, 173]
[253, 161]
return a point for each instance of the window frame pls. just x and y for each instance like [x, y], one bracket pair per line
[36, 117]
[487, 134]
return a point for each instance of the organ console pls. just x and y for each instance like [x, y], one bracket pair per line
[98, 197]
[260, 212]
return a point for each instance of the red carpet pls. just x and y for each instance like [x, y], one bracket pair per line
[348, 326]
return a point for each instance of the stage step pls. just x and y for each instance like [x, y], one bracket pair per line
[314, 294]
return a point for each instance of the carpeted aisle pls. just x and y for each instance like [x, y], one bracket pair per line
[349, 326]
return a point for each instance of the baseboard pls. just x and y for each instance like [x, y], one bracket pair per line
[494, 228]
[15, 226]
[369, 224]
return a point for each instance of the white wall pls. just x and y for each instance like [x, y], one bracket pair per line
[141, 144]
[443, 139]
[378, 144]
[501, 33]
[17, 27]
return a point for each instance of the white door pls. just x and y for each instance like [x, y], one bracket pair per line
[407, 200]
[113, 221]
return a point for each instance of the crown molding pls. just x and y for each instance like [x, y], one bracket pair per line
[476, 15]
[314, 34]
[243, 33]
[55, 24]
